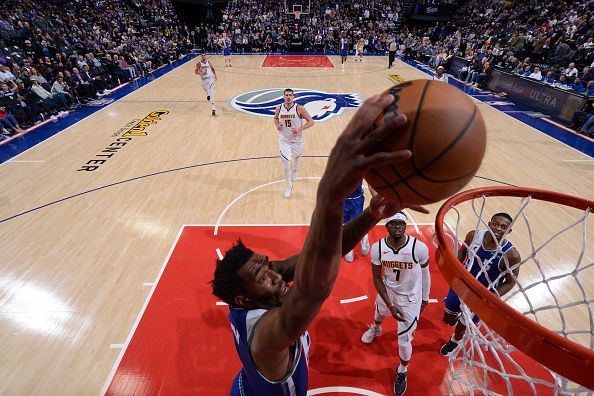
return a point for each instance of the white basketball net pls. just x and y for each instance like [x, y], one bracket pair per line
[551, 266]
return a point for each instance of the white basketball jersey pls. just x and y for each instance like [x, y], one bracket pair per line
[205, 66]
[290, 119]
[402, 266]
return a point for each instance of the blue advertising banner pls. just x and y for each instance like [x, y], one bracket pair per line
[539, 96]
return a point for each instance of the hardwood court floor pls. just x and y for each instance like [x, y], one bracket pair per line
[75, 274]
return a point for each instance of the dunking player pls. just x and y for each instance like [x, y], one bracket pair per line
[269, 318]
[490, 259]
[359, 49]
[404, 290]
[353, 206]
[344, 48]
[288, 119]
[207, 76]
[225, 44]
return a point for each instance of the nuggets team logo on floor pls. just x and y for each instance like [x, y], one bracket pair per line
[319, 104]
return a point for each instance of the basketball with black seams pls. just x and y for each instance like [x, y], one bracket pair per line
[447, 137]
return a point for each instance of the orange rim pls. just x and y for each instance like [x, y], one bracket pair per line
[567, 358]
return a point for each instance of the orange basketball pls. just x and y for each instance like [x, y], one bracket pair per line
[447, 137]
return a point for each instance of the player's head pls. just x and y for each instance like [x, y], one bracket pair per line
[396, 225]
[440, 69]
[203, 55]
[499, 224]
[246, 279]
[288, 95]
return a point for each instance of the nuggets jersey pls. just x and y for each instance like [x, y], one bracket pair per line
[249, 381]
[205, 66]
[402, 266]
[485, 264]
[290, 119]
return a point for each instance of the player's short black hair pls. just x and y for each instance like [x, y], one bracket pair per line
[504, 215]
[227, 283]
[288, 89]
[202, 52]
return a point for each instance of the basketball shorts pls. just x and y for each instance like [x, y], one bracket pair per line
[226, 51]
[409, 304]
[290, 149]
[208, 85]
[352, 208]
[343, 53]
[452, 305]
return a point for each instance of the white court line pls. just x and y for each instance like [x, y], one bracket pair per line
[221, 303]
[146, 284]
[23, 161]
[355, 299]
[586, 160]
[219, 254]
[342, 389]
[116, 346]
[216, 230]
[433, 300]
[135, 325]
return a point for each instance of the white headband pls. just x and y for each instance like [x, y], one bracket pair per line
[398, 216]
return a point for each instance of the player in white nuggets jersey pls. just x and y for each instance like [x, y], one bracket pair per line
[404, 290]
[207, 77]
[288, 119]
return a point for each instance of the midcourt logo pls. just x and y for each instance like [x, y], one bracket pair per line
[320, 105]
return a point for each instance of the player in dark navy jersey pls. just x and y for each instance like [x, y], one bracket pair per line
[269, 317]
[491, 259]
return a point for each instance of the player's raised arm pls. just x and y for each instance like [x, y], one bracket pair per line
[317, 266]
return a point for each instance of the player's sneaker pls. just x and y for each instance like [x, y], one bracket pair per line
[288, 190]
[350, 256]
[365, 245]
[293, 174]
[373, 331]
[208, 97]
[400, 384]
[448, 347]
[214, 112]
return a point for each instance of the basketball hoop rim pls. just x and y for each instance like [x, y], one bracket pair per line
[565, 357]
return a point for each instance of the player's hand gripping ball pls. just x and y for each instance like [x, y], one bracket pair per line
[447, 137]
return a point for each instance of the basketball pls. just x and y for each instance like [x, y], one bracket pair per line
[447, 137]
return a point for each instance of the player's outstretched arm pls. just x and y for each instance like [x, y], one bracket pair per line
[353, 231]
[317, 265]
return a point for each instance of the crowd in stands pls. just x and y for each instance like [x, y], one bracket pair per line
[57, 55]
[264, 26]
[549, 41]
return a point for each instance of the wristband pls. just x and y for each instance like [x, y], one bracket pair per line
[390, 306]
